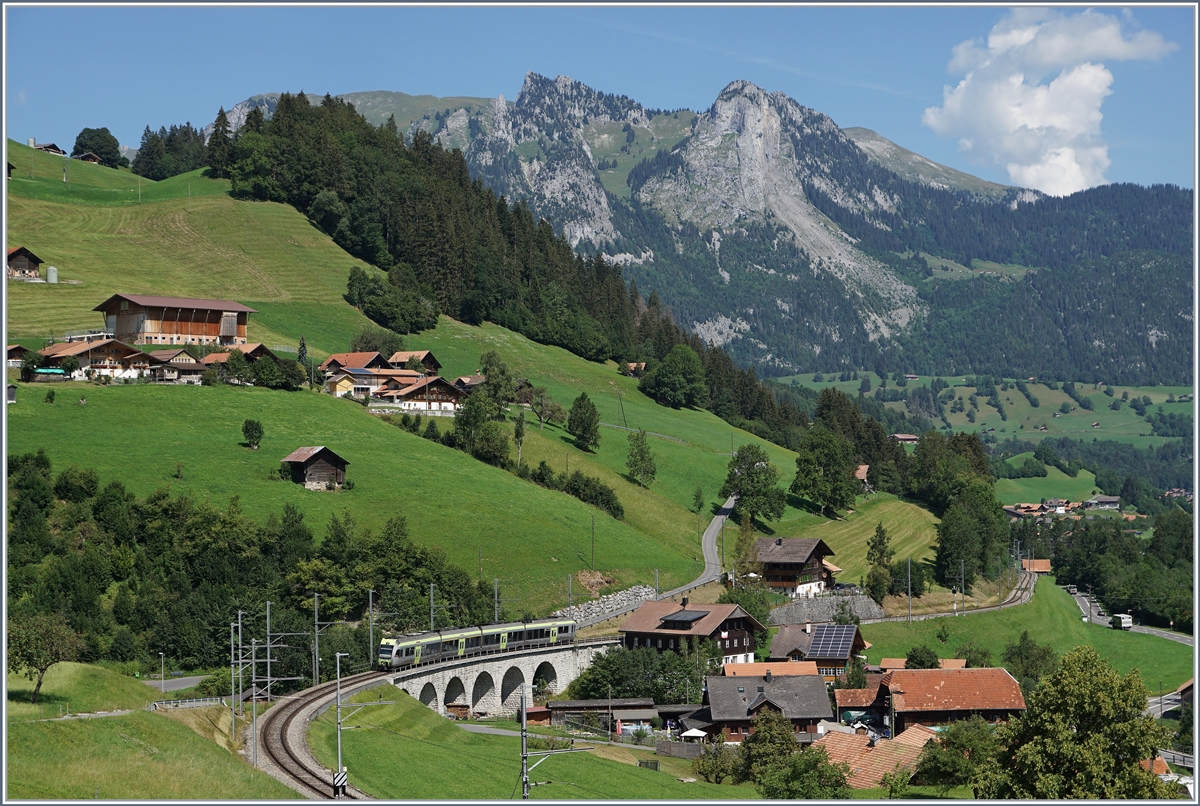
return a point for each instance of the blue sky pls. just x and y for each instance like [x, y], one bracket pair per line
[1058, 100]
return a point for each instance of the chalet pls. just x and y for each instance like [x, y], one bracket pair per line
[1038, 567]
[830, 646]
[177, 366]
[48, 148]
[912, 377]
[468, 383]
[861, 475]
[776, 668]
[253, 352]
[940, 696]
[869, 761]
[339, 361]
[1103, 502]
[143, 319]
[107, 357]
[16, 354]
[23, 264]
[733, 702]
[316, 467]
[426, 395]
[401, 359]
[796, 566]
[667, 625]
[367, 382]
[906, 439]
[87, 156]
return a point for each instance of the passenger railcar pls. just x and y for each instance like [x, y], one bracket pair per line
[417, 649]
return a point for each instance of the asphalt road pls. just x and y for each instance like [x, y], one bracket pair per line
[1090, 609]
[175, 683]
[712, 552]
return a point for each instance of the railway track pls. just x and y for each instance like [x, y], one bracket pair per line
[1019, 595]
[283, 742]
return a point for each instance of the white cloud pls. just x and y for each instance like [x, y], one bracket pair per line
[1031, 94]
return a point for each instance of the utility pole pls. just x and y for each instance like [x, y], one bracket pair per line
[162, 673]
[268, 651]
[962, 583]
[910, 590]
[371, 653]
[241, 662]
[316, 641]
[338, 659]
[570, 611]
[524, 749]
[496, 599]
[656, 584]
[593, 542]
[431, 586]
[232, 694]
[254, 695]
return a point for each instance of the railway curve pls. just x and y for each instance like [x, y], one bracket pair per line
[283, 737]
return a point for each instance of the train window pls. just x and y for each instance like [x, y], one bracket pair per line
[472, 642]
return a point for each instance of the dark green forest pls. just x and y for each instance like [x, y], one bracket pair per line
[135, 577]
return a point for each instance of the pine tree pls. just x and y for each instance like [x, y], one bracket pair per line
[879, 552]
[220, 147]
[518, 434]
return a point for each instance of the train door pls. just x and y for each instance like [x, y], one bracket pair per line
[462, 647]
[503, 641]
[417, 655]
[554, 635]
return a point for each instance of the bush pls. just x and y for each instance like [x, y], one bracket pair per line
[50, 396]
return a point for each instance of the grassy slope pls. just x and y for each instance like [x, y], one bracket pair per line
[138, 756]
[912, 532]
[1056, 484]
[1051, 618]
[141, 755]
[434, 751]
[84, 688]
[450, 499]
[1025, 421]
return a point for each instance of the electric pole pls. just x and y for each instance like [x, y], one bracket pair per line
[593, 542]
[910, 590]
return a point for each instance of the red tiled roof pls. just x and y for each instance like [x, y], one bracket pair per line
[1159, 764]
[777, 668]
[178, 302]
[953, 690]
[861, 472]
[888, 664]
[647, 618]
[1037, 566]
[952, 663]
[355, 360]
[868, 765]
[859, 697]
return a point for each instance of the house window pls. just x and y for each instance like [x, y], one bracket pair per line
[660, 643]
[672, 643]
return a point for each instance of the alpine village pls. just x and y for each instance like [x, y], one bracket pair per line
[409, 448]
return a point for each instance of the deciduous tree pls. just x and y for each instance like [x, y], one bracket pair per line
[825, 467]
[921, 657]
[716, 762]
[583, 423]
[252, 430]
[35, 643]
[960, 749]
[772, 741]
[100, 142]
[753, 479]
[805, 775]
[1082, 735]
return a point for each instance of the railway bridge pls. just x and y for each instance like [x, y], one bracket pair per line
[490, 685]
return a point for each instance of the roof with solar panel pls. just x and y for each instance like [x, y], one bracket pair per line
[832, 641]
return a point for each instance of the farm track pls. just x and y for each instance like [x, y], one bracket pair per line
[283, 732]
[1020, 595]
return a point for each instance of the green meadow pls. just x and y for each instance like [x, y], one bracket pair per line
[441, 761]
[1056, 484]
[1053, 618]
[141, 755]
[525, 535]
[1026, 421]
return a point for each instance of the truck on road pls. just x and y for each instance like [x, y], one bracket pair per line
[1122, 621]
[1071, 589]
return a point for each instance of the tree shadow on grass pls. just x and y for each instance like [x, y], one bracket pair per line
[803, 504]
[25, 696]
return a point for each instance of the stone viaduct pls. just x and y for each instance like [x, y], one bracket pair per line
[491, 684]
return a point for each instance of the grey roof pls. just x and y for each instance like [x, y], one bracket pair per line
[790, 549]
[629, 715]
[701, 719]
[620, 702]
[797, 696]
[791, 637]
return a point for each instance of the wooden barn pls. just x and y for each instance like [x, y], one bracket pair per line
[23, 264]
[315, 467]
[87, 156]
[142, 319]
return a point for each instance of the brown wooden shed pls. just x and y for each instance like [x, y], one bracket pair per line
[315, 467]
